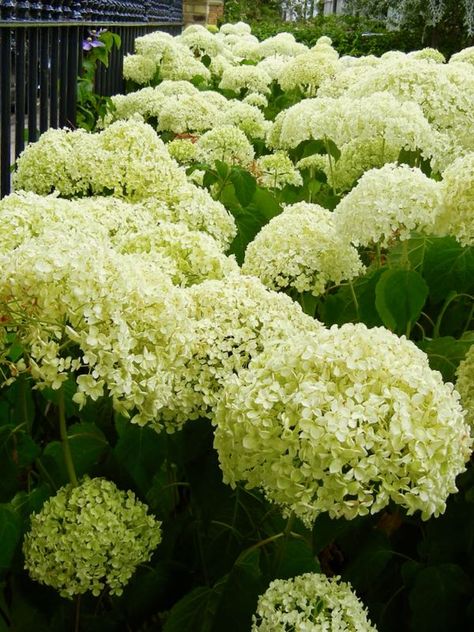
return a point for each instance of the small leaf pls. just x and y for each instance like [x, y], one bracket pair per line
[446, 353]
[399, 298]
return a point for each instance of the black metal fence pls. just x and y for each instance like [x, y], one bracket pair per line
[41, 55]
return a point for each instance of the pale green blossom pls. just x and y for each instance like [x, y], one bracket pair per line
[343, 421]
[301, 249]
[310, 603]
[89, 538]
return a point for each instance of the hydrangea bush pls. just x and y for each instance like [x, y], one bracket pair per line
[245, 299]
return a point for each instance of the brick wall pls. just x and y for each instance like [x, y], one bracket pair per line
[202, 11]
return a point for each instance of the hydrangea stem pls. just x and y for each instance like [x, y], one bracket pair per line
[65, 441]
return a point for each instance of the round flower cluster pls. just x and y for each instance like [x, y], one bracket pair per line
[226, 143]
[248, 78]
[200, 40]
[90, 537]
[231, 320]
[465, 385]
[343, 421]
[281, 44]
[301, 249]
[187, 113]
[310, 602]
[457, 216]
[307, 72]
[276, 171]
[387, 204]
[183, 150]
[464, 55]
[379, 126]
[246, 117]
[139, 69]
[194, 256]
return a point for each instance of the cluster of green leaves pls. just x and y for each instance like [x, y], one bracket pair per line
[350, 35]
[92, 106]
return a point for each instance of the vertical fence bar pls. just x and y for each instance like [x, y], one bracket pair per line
[54, 78]
[72, 66]
[44, 79]
[63, 64]
[5, 100]
[20, 59]
[32, 84]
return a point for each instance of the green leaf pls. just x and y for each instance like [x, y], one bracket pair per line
[296, 558]
[10, 534]
[140, 451]
[88, 446]
[399, 299]
[446, 353]
[238, 594]
[373, 555]
[222, 169]
[245, 185]
[439, 598]
[264, 203]
[195, 611]
[448, 266]
[206, 60]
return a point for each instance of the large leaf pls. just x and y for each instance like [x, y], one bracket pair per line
[446, 353]
[399, 298]
[88, 446]
[439, 598]
[194, 612]
[10, 533]
[448, 266]
[140, 451]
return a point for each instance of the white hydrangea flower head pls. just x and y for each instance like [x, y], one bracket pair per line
[248, 118]
[139, 69]
[274, 65]
[429, 54]
[200, 40]
[444, 92]
[61, 160]
[72, 289]
[310, 603]
[219, 63]
[179, 63]
[187, 113]
[196, 255]
[248, 78]
[232, 320]
[134, 163]
[308, 71]
[343, 421]
[226, 143]
[90, 538]
[257, 99]
[281, 44]
[196, 208]
[381, 116]
[464, 55]
[243, 48]
[465, 385]
[277, 170]
[183, 150]
[457, 215]
[301, 249]
[239, 28]
[169, 88]
[146, 102]
[388, 203]
[153, 44]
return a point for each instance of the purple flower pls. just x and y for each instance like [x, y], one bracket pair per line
[93, 40]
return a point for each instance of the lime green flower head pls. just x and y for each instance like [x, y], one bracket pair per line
[89, 537]
[310, 602]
